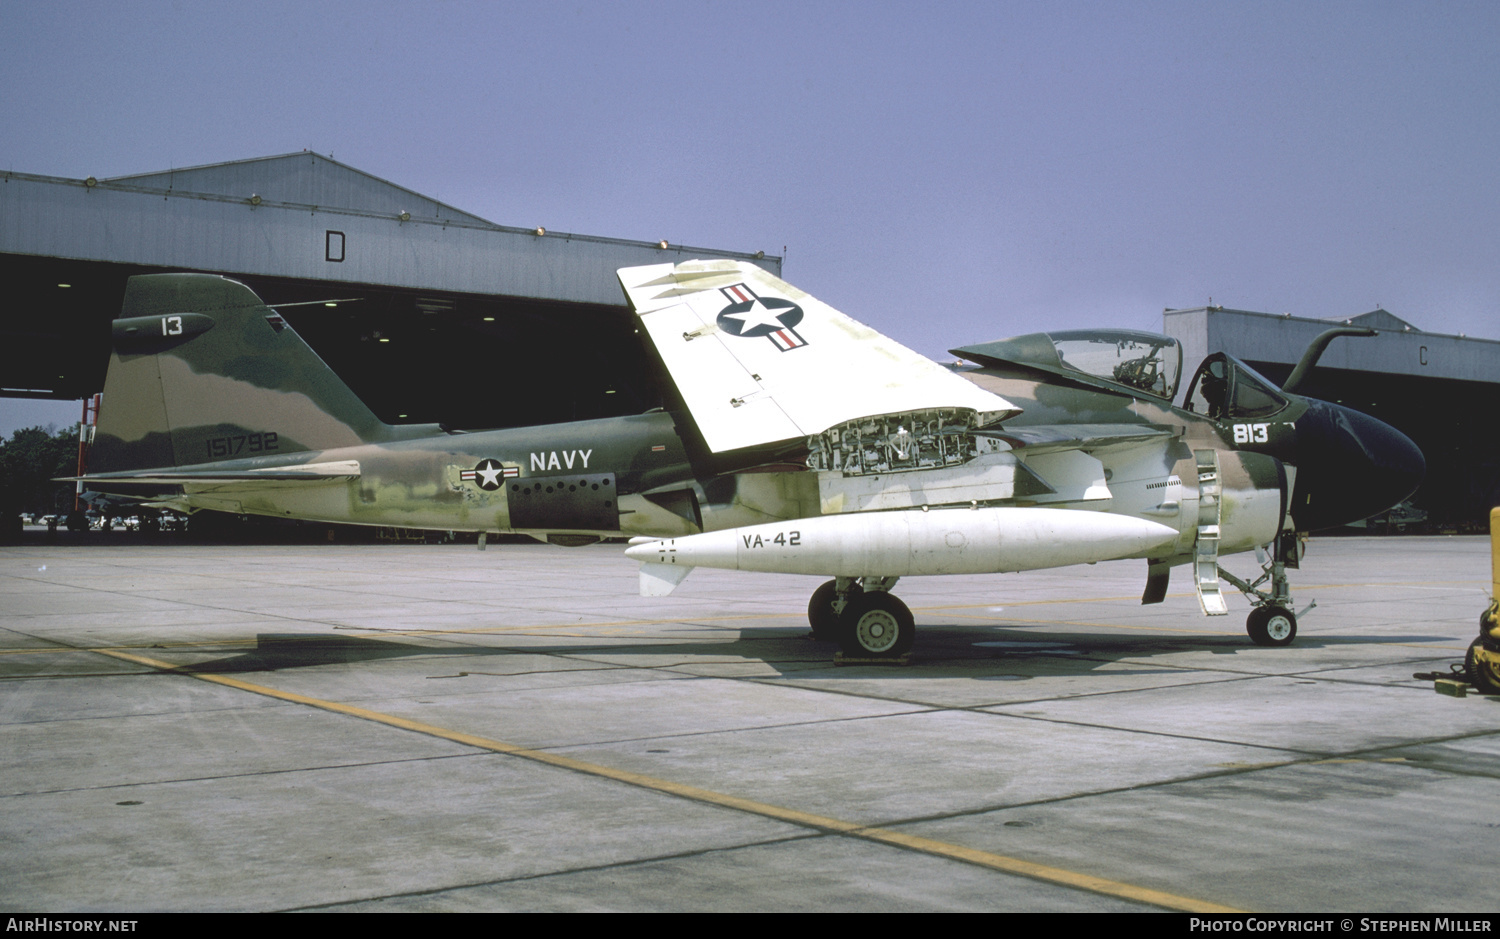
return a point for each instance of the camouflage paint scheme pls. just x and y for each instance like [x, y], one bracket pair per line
[1334, 464]
[212, 401]
[1066, 447]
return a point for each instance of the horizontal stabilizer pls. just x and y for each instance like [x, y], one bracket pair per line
[758, 361]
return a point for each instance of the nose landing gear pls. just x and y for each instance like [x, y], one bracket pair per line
[1272, 622]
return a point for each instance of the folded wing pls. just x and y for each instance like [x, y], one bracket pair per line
[758, 361]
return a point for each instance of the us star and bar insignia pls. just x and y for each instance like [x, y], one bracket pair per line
[489, 473]
[750, 315]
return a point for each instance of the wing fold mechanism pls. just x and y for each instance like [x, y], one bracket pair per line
[758, 361]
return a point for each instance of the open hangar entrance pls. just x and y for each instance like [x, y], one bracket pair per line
[469, 361]
[464, 360]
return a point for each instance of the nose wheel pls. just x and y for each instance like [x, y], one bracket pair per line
[1271, 625]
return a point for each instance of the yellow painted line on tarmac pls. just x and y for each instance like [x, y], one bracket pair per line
[1392, 583]
[1386, 759]
[1426, 646]
[930, 846]
[1011, 603]
[1069, 622]
[39, 651]
[157, 644]
[536, 628]
[496, 630]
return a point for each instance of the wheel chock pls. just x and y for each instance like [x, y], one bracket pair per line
[1451, 688]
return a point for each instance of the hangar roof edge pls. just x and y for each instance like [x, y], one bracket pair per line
[1379, 319]
[304, 178]
[411, 201]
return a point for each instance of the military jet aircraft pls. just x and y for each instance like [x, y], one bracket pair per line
[212, 401]
[1050, 450]
[809, 443]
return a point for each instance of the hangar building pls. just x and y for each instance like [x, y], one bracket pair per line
[430, 314]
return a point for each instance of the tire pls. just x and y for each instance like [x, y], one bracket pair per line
[1271, 626]
[876, 626]
[820, 612]
[1482, 668]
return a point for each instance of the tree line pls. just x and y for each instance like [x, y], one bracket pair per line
[29, 461]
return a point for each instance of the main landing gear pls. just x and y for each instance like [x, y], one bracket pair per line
[862, 617]
[1272, 622]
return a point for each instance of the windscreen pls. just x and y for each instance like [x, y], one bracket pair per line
[1225, 387]
[1144, 361]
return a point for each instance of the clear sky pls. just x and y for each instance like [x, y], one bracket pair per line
[948, 172]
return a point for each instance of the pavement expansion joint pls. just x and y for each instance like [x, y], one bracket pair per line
[869, 833]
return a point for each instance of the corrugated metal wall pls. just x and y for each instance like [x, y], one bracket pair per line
[316, 219]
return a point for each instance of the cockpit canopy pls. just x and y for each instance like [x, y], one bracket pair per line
[1224, 387]
[1141, 361]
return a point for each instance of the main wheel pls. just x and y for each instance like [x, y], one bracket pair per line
[1271, 626]
[821, 614]
[1482, 668]
[876, 625]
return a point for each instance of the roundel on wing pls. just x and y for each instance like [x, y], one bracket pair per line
[743, 319]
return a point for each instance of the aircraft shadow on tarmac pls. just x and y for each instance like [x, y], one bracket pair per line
[1003, 649]
[280, 651]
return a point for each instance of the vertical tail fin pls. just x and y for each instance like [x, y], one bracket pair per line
[202, 371]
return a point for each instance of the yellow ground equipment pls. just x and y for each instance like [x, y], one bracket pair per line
[1482, 664]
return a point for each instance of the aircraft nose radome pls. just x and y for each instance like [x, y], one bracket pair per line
[1350, 466]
